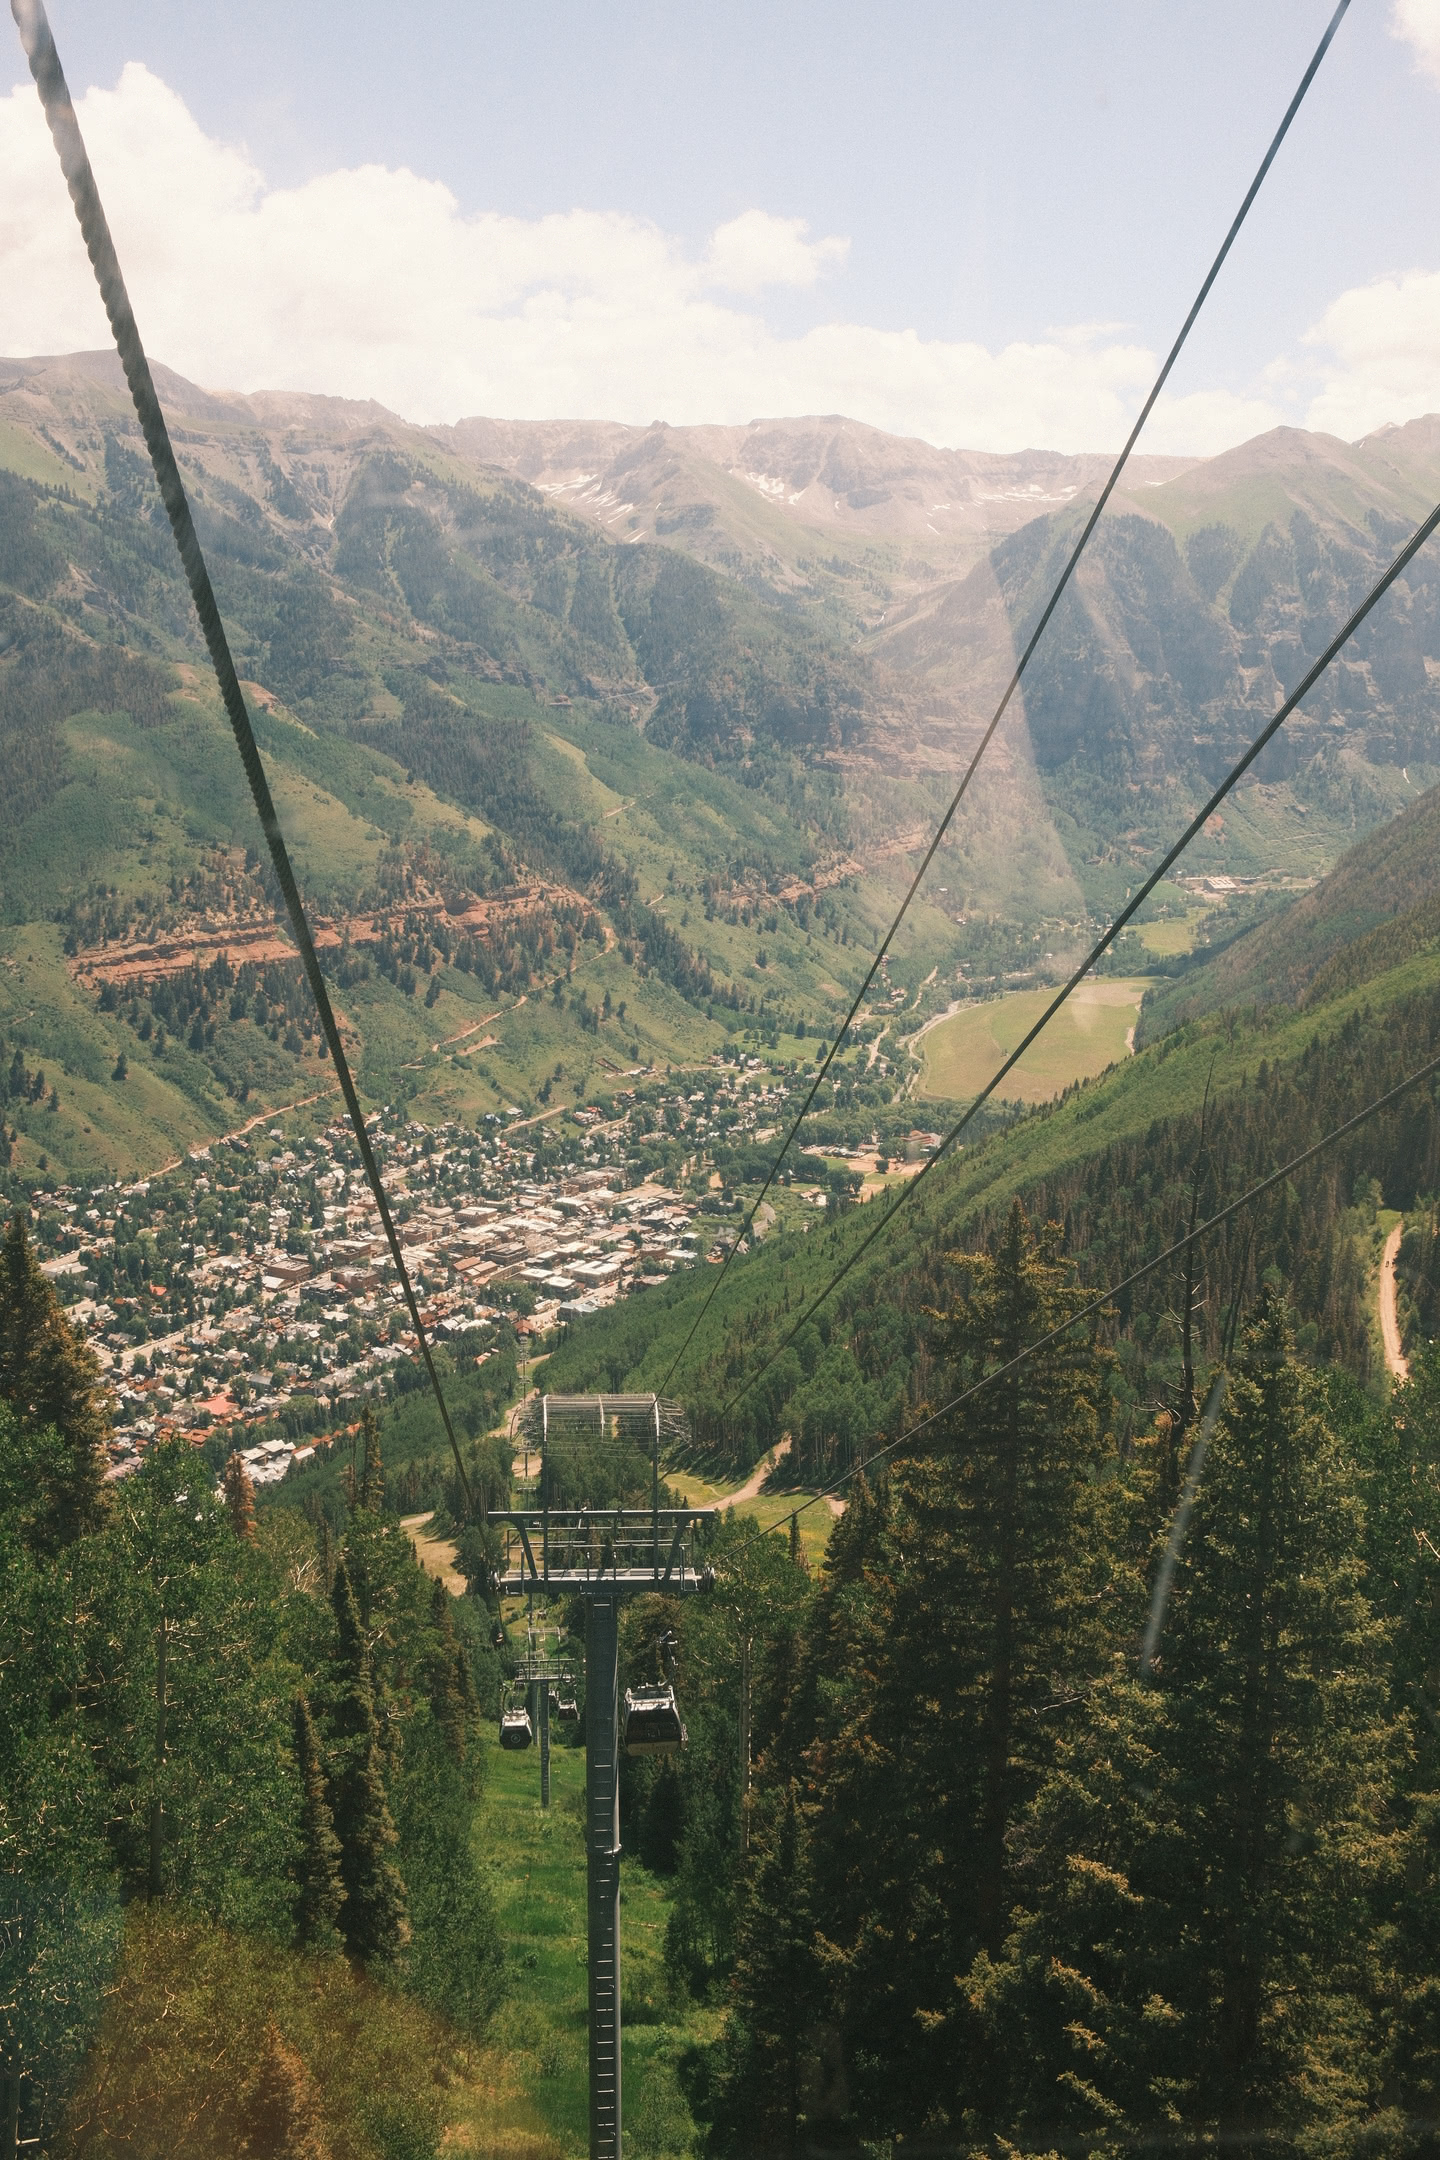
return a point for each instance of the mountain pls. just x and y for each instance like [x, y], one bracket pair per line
[511, 754]
[1376, 908]
[687, 753]
[1199, 603]
[889, 513]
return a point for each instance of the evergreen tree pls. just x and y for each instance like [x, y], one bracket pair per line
[373, 1918]
[992, 1605]
[50, 1379]
[240, 1499]
[321, 1891]
[446, 1700]
[771, 2063]
[1203, 1872]
[829, 1690]
[371, 1493]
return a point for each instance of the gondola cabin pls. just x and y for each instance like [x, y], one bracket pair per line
[515, 1730]
[652, 1722]
[567, 1709]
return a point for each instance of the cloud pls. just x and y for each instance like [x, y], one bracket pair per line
[1417, 24]
[1380, 347]
[756, 249]
[372, 283]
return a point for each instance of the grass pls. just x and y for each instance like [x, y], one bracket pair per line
[528, 2097]
[1090, 1032]
[772, 1511]
[1166, 939]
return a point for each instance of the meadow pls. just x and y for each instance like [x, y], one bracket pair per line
[1092, 1031]
[526, 2097]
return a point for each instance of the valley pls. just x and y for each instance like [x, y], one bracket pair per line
[606, 756]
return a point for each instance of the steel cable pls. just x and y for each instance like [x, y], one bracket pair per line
[1024, 661]
[39, 44]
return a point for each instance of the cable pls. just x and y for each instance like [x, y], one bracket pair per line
[1237, 772]
[1098, 1304]
[39, 44]
[1024, 661]
[1175, 1544]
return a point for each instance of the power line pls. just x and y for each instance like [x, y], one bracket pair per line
[1237, 772]
[1024, 661]
[39, 44]
[1098, 1304]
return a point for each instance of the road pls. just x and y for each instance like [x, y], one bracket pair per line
[750, 1490]
[1396, 1362]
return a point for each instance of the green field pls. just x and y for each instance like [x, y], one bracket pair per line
[527, 2098]
[1175, 934]
[1091, 1031]
[770, 1511]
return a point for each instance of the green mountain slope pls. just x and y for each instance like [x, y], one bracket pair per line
[512, 757]
[1373, 910]
[1199, 604]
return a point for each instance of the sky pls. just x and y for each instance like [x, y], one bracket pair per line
[974, 224]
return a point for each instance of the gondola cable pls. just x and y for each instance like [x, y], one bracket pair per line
[40, 51]
[1236, 773]
[1021, 665]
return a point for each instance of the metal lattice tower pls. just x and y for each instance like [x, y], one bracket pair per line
[603, 1555]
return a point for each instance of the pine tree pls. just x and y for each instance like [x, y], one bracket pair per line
[372, 1476]
[49, 1378]
[321, 1891]
[1203, 1870]
[992, 1602]
[1275, 1663]
[373, 1919]
[240, 1499]
[446, 1699]
[772, 2073]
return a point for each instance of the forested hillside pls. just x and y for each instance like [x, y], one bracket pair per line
[1373, 910]
[237, 1753]
[1008, 1892]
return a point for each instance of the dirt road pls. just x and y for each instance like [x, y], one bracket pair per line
[750, 1490]
[1396, 1362]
